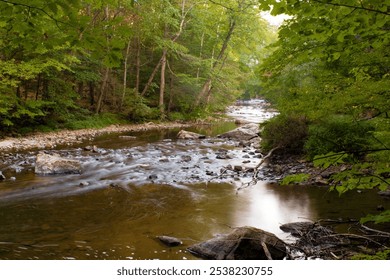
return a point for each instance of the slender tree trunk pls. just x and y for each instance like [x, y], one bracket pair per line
[200, 54]
[162, 82]
[163, 57]
[151, 77]
[138, 65]
[170, 103]
[38, 87]
[91, 87]
[125, 73]
[207, 85]
[102, 90]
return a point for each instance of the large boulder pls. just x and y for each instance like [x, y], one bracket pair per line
[244, 243]
[243, 133]
[188, 135]
[55, 164]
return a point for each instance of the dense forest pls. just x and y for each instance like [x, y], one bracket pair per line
[73, 63]
[83, 63]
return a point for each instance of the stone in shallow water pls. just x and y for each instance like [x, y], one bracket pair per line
[54, 164]
[169, 241]
[243, 133]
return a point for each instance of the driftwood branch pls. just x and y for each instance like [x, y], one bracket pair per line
[256, 171]
[382, 233]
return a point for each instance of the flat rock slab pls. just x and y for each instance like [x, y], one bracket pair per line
[243, 133]
[244, 243]
[54, 164]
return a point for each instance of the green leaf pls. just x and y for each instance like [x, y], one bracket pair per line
[330, 159]
[383, 217]
[295, 179]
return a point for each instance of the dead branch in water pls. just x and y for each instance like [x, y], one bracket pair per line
[254, 177]
[382, 233]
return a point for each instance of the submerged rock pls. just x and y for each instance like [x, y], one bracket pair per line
[244, 243]
[183, 134]
[54, 164]
[169, 241]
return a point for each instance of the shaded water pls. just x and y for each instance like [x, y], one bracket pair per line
[135, 189]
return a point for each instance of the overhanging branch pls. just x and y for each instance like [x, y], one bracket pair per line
[353, 7]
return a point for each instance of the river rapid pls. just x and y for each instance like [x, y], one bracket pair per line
[137, 186]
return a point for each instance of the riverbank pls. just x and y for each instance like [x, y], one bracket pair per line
[50, 140]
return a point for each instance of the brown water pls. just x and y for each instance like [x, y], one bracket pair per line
[140, 188]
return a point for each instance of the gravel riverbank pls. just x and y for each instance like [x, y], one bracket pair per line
[50, 140]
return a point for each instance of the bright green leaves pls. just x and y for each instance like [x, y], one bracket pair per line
[295, 179]
[330, 159]
[383, 217]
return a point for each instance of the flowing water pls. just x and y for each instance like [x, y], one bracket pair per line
[136, 187]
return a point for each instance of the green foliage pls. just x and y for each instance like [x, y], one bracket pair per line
[137, 109]
[361, 176]
[92, 121]
[377, 219]
[295, 179]
[330, 159]
[382, 255]
[330, 64]
[71, 55]
[337, 134]
[287, 132]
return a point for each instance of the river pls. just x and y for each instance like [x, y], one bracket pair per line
[142, 185]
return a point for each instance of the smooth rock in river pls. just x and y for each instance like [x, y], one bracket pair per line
[54, 164]
[169, 241]
[244, 243]
[243, 133]
[188, 135]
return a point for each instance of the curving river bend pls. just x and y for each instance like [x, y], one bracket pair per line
[136, 187]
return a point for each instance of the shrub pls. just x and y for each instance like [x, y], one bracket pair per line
[337, 134]
[287, 132]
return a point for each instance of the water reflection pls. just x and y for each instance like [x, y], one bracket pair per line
[263, 207]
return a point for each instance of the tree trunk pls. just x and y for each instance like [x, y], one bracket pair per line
[170, 103]
[200, 54]
[162, 82]
[102, 90]
[207, 85]
[91, 93]
[151, 77]
[138, 65]
[125, 73]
